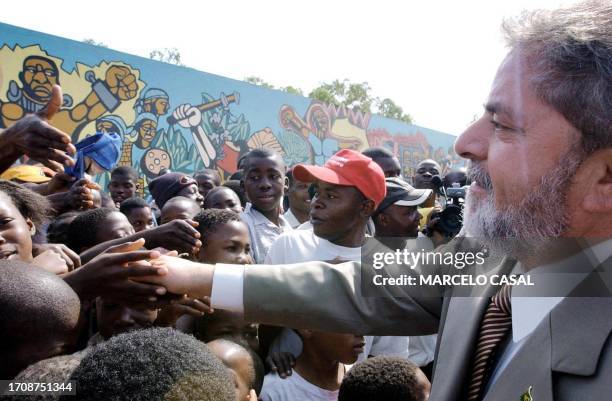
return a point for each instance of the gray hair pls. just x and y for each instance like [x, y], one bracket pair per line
[569, 51]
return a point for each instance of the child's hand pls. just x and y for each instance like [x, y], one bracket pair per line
[252, 396]
[51, 262]
[281, 363]
[33, 136]
[180, 235]
[110, 275]
[80, 196]
[72, 260]
[168, 315]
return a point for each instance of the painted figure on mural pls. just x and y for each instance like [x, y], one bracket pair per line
[188, 116]
[209, 124]
[111, 123]
[316, 128]
[144, 130]
[155, 101]
[37, 77]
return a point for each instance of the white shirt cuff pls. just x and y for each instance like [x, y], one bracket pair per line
[227, 290]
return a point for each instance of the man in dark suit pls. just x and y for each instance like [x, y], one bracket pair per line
[541, 170]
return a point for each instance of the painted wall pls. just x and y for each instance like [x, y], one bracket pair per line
[186, 120]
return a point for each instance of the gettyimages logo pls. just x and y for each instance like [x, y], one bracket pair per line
[408, 267]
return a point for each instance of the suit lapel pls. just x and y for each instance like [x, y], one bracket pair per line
[456, 346]
[528, 371]
[458, 339]
[576, 347]
[569, 340]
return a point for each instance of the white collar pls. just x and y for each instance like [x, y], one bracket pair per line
[529, 311]
[259, 218]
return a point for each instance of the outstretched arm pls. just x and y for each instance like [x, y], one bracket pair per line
[313, 295]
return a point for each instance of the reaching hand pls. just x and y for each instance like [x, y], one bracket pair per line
[168, 315]
[35, 137]
[71, 259]
[181, 276]
[60, 182]
[51, 262]
[80, 196]
[109, 276]
[281, 363]
[179, 235]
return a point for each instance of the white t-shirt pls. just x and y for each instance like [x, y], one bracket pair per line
[293, 388]
[304, 246]
[291, 219]
[422, 349]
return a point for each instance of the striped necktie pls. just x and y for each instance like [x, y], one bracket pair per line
[494, 326]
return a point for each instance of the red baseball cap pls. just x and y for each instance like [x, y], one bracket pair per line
[350, 168]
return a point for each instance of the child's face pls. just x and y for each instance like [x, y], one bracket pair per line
[192, 192]
[15, 232]
[344, 348]
[206, 182]
[299, 199]
[114, 319]
[116, 225]
[141, 218]
[121, 188]
[227, 324]
[239, 362]
[60, 229]
[223, 198]
[264, 182]
[230, 243]
[179, 210]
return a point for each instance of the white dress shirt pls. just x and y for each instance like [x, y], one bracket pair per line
[262, 231]
[529, 310]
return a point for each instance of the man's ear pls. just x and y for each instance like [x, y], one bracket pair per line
[286, 186]
[32, 227]
[367, 208]
[596, 175]
[383, 219]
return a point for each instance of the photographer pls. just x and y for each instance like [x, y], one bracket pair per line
[445, 222]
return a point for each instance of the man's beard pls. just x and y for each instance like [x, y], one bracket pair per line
[529, 227]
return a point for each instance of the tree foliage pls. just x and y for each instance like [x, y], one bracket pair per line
[167, 55]
[259, 82]
[357, 96]
[90, 41]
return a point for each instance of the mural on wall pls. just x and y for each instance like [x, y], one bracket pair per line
[180, 119]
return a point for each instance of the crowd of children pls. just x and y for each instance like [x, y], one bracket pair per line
[69, 310]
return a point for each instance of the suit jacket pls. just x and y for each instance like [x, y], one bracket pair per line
[567, 357]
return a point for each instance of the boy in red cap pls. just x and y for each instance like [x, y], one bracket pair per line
[348, 189]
